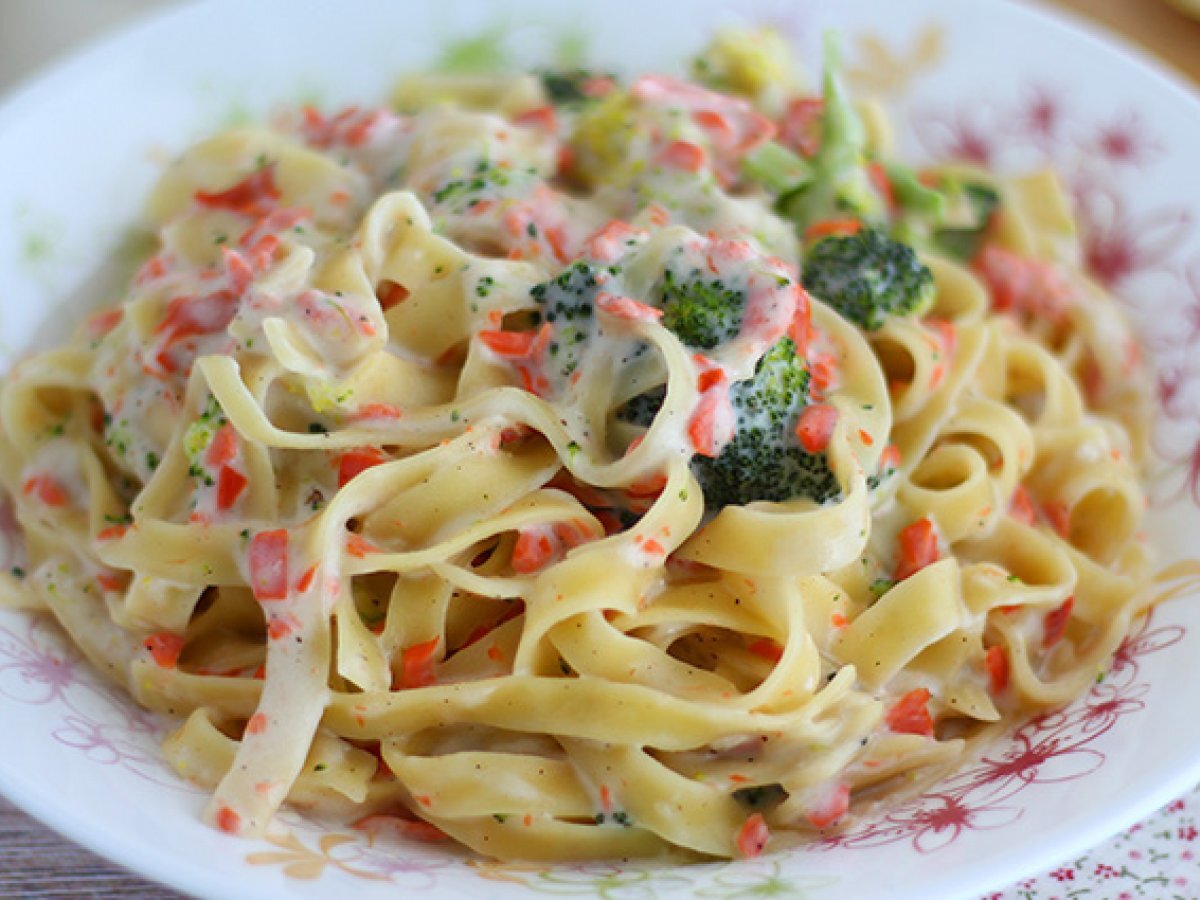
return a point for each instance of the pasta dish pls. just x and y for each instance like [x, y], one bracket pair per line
[588, 467]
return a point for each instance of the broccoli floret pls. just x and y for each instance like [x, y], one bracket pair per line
[840, 185]
[567, 301]
[753, 62]
[642, 409]
[568, 88]
[764, 461]
[867, 277]
[703, 312]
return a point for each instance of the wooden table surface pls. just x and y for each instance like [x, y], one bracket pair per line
[36, 863]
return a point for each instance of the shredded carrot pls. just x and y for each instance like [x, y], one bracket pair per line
[257, 724]
[306, 579]
[370, 411]
[883, 185]
[837, 620]
[814, 427]
[865, 437]
[230, 484]
[165, 648]
[767, 649]
[359, 547]
[910, 714]
[917, 548]
[228, 821]
[753, 836]
[533, 550]
[1021, 508]
[112, 532]
[627, 308]
[1059, 516]
[250, 196]
[832, 227]
[268, 565]
[46, 489]
[832, 808]
[1055, 623]
[995, 661]
[541, 117]
[112, 581]
[890, 458]
[352, 462]
[416, 664]
[682, 155]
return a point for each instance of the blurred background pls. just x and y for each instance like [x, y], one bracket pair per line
[34, 32]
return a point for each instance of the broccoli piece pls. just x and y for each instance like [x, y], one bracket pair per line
[568, 87]
[567, 300]
[642, 409]
[977, 203]
[752, 62]
[764, 461]
[840, 185]
[463, 192]
[867, 277]
[703, 312]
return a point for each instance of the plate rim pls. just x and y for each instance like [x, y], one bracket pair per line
[187, 875]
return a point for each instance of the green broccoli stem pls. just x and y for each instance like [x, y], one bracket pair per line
[777, 168]
[911, 194]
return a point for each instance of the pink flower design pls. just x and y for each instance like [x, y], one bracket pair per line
[1063, 874]
[1124, 141]
[959, 136]
[1041, 116]
[1118, 245]
[1187, 833]
[1103, 870]
[934, 822]
[30, 670]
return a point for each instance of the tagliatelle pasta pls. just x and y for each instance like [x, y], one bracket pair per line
[583, 469]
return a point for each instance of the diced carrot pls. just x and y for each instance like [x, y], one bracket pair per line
[230, 484]
[866, 437]
[46, 489]
[306, 579]
[650, 486]
[627, 308]
[800, 329]
[712, 121]
[269, 565]
[359, 547]
[250, 196]
[165, 648]
[798, 128]
[413, 829]
[883, 185]
[1025, 286]
[890, 458]
[112, 533]
[814, 427]
[368, 411]
[1021, 507]
[228, 821]
[753, 836]
[556, 237]
[610, 241]
[224, 446]
[257, 724]
[1055, 622]
[392, 294]
[910, 714]
[101, 323]
[541, 117]
[682, 155]
[831, 227]
[1059, 516]
[416, 664]
[766, 648]
[705, 423]
[995, 661]
[112, 581]
[533, 550]
[832, 807]
[508, 343]
[917, 548]
[354, 461]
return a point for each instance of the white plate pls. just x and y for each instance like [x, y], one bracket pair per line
[80, 146]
